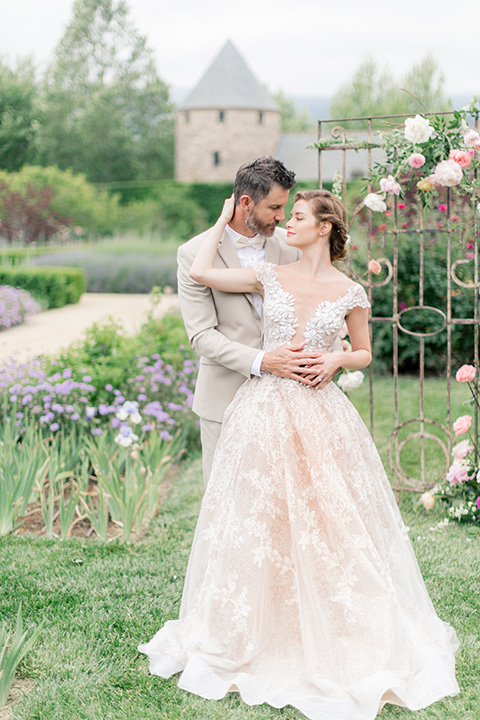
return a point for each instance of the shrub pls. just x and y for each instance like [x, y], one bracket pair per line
[27, 215]
[53, 287]
[126, 273]
[72, 198]
[15, 306]
[20, 256]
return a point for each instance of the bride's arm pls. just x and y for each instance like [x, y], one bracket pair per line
[228, 279]
[361, 356]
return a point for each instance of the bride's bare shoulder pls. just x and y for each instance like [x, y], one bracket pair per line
[340, 278]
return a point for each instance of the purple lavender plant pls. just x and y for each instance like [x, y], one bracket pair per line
[15, 306]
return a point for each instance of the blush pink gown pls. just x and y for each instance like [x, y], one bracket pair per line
[302, 586]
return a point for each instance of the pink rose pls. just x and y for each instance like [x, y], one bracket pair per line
[478, 503]
[416, 160]
[448, 173]
[462, 157]
[466, 373]
[457, 473]
[462, 449]
[472, 139]
[389, 184]
[374, 267]
[343, 332]
[462, 424]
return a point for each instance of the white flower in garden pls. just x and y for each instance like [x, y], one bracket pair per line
[90, 412]
[350, 380]
[471, 138]
[374, 202]
[126, 436]
[461, 449]
[129, 410]
[427, 500]
[448, 173]
[418, 129]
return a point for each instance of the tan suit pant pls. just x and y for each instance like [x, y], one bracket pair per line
[209, 433]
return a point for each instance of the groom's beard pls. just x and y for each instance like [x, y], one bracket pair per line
[257, 226]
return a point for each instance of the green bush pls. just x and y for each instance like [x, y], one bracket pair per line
[20, 256]
[72, 196]
[434, 295]
[53, 287]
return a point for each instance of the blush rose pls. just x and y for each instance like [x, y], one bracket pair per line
[466, 373]
[462, 425]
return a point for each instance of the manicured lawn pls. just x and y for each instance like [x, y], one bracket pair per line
[98, 601]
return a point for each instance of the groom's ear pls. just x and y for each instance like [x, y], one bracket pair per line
[246, 203]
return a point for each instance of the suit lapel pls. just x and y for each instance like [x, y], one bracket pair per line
[228, 254]
[272, 250]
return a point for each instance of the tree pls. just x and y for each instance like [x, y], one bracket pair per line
[374, 91]
[18, 115]
[106, 111]
[293, 120]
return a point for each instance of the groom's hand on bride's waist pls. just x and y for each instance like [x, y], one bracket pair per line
[292, 361]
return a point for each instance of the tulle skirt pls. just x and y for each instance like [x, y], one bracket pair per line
[302, 587]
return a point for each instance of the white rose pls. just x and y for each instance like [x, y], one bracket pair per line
[418, 129]
[472, 138]
[427, 500]
[448, 173]
[374, 202]
[350, 380]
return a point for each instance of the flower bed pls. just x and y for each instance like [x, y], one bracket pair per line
[15, 306]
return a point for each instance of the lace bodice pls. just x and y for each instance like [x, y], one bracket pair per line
[279, 319]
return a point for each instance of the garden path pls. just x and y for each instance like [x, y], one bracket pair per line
[52, 330]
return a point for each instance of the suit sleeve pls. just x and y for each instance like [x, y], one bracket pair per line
[201, 322]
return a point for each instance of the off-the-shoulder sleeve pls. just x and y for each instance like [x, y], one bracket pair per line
[266, 273]
[357, 297]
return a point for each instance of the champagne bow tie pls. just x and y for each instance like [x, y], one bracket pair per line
[257, 242]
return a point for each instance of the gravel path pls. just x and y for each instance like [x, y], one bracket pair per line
[52, 330]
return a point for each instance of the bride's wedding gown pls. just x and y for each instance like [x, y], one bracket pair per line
[302, 587]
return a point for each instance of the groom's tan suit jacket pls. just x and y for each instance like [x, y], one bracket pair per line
[223, 328]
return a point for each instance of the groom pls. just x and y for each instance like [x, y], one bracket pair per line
[225, 329]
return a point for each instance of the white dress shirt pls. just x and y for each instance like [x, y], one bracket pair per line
[250, 256]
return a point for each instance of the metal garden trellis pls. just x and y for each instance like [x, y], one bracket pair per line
[338, 141]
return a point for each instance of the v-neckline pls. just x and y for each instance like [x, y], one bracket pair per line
[321, 304]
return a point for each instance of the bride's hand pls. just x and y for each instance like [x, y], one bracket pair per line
[228, 210]
[324, 369]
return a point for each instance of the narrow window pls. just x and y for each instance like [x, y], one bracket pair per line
[221, 115]
[260, 117]
[216, 158]
[187, 116]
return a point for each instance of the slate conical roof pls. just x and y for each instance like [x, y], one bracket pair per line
[229, 84]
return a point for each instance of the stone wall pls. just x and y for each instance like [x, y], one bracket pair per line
[212, 144]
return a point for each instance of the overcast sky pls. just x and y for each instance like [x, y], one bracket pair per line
[304, 47]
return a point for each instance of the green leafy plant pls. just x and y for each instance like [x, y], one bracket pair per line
[13, 648]
[22, 469]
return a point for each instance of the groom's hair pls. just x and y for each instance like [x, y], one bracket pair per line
[257, 178]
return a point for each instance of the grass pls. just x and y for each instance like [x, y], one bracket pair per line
[98, 601]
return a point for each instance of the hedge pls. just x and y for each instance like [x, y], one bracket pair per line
[53, 287]
[19, 256]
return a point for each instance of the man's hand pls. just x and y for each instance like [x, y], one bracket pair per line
[312, 368]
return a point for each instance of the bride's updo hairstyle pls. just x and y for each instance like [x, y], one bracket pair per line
[326, 207]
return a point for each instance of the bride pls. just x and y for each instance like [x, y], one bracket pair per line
[302, 587]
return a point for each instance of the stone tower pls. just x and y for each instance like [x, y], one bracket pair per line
[227, 119]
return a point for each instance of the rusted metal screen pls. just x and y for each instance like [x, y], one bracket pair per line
[445, 320]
